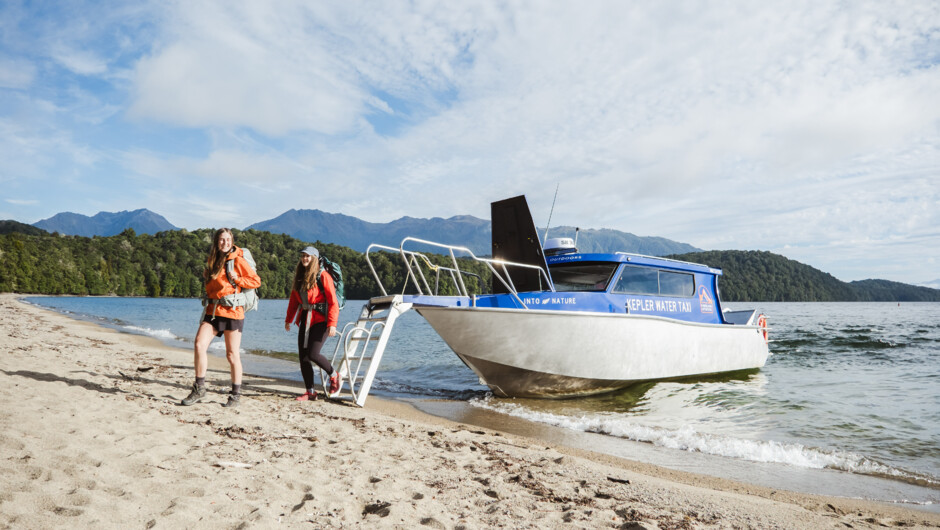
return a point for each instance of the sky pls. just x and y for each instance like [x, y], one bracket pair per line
[810, 129]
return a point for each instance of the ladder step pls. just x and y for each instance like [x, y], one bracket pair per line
[358, 366]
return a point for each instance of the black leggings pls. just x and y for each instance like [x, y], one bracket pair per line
[311, 354]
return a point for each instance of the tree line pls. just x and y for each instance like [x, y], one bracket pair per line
[170, 264]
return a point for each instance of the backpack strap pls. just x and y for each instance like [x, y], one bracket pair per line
[320, 307]
[230, 271]
[206, 301]
[310, 308]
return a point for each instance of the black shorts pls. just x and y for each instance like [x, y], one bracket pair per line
[223, 324]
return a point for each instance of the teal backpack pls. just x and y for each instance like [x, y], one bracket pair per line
[247, 298]
[335, 272]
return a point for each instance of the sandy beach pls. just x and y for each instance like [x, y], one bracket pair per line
[91, 435]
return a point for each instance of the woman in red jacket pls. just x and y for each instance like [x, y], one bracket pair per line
[220, 319]
[313, 307]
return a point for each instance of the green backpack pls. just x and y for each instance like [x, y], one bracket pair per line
[335, 272]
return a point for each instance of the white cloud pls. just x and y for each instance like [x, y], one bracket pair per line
[16, 73]
[236, 167]
[794, 127]
[82, 62]
[257, 67]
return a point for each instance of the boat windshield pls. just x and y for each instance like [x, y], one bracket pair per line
[582, 276]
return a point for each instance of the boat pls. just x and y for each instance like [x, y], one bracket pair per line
[559, 323]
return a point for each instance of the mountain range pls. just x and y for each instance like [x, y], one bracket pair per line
[750, 275]
[352, 232]
[463, 230]
[316, 225]
[142, 221]
[935, 284]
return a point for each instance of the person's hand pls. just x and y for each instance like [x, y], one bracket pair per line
[332, 331]
[287, 326]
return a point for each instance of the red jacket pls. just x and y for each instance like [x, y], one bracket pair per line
[219, 286]
[316, 296]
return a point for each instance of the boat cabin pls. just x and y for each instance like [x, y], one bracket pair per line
[636, 284]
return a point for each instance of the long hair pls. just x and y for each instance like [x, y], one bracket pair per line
[305, 277]
[216, 261]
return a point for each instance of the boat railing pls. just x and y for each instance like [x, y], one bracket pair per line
[413, 260]
[662, 258]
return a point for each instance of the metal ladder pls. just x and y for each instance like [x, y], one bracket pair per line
[363, 344]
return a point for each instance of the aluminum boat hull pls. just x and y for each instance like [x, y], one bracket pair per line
[558, 354]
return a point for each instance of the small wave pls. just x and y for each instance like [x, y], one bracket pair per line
[274, 354]
[688, 439]
[864, 342]
[788, 345]
[403, 388]
[162, 334]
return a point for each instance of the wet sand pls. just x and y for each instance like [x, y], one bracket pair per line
[91, 434]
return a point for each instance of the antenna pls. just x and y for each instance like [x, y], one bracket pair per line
[550, 214]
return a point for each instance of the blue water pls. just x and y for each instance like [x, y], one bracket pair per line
[853, 387]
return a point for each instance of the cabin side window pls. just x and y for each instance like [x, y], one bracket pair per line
[638, 280]
[583, 276]
[645, 280]
[676, 284]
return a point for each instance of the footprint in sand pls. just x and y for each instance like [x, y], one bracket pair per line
[382, 509]
[35, 473]
[75, 498]
[432, 523]
[67, 512]
[170, 510]
[88, 485]
[11, 443]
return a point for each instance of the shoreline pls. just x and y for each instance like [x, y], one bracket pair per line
[325, 462]
[801, 479]
[693, 466]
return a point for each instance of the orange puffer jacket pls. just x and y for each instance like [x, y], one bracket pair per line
[315, 296]
[219, 286]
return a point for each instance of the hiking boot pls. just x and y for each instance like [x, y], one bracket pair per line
[233, 400]
[307, 396]
[195, 396]
[334, 382]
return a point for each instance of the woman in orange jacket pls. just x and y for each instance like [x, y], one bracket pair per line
[314, 308]
[221, 319]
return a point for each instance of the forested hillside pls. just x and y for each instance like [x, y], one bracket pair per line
[764, 276]
[171, 263]
[9, 226]
[880, 290]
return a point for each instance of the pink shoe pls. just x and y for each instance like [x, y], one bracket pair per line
[334, 382]
[306, 396]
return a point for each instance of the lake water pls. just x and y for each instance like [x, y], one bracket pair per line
[851, 390]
